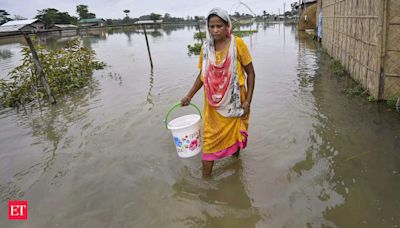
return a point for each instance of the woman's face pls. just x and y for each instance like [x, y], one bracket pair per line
[217, 28]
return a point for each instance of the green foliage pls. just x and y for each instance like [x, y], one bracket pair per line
[4, 16]
[337, 68]
[83, 12]
[199, 35]
[243, 33]
[52, 16]
[195, 49]
[155, 17]
[66, 69]
[391, 101]
[371, 98]
[356, 90]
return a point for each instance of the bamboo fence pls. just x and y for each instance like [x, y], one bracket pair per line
[364, 35]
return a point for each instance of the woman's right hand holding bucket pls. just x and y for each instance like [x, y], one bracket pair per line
[185, 101]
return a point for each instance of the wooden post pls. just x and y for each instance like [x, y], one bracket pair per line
[148, 47]
[381, 47]
[40, 69]
[333, 29]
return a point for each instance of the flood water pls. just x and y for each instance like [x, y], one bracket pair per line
[102, 157]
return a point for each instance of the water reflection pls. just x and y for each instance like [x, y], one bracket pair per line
[168, 29]
[5, 54]
[52, 129]
[226, 197]
[149, 98]
[353, 184]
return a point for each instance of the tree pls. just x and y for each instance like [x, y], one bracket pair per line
[167, 15]
[3, 17]
[49, 16]
[155, 17]
[126, 19]
[83, 12]
[52, 16]
[18, 17]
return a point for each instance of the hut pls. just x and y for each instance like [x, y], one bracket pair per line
[15, 27]
[148, 22]
[64, 26]
[92, 22]
[37, 24]
[363, 35]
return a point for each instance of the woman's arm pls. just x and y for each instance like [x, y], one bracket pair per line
[250, 88]
[196, 86]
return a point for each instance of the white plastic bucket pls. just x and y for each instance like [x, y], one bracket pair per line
[186, 133]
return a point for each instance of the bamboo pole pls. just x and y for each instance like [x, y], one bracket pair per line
[148, 47]
[40, 69]
[381, 47]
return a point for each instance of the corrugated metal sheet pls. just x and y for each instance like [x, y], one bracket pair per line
[64, 26]
[148, 22]
[20, 22]
[91, 20]
[11, 28]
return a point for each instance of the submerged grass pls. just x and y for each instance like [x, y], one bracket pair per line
[394, 101]
[337, 68]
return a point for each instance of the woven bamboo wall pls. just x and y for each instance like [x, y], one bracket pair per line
[363, 35]
[350, 34]
[392, 58]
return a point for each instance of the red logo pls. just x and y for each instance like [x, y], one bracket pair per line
[18, 210]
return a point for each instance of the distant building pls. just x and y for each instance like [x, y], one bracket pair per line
[64, 26]
[15, 27]
[144, 22]
[35, 23]
[92, 22]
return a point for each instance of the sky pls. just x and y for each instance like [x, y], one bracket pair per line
[114, 8]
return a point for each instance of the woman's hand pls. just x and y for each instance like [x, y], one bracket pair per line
[185, 101]
[246, 109]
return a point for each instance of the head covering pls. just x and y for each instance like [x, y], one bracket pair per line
[223, 15]
[221, 80]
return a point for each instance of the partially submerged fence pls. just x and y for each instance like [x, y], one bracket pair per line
[364, 35]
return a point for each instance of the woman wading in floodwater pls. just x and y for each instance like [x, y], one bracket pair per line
[224, 59]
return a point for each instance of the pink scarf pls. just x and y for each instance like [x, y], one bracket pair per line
[221, 80]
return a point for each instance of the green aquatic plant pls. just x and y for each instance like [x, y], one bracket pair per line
[195, 49]
[371, 98]
[244, 33]
[357, 89]
[66, 69]
[199, 36]
[337, 68]
[393, 100]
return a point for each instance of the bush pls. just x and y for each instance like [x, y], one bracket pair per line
[195, 49]
[66, 69]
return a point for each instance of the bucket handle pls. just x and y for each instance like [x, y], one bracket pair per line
[178, 104]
